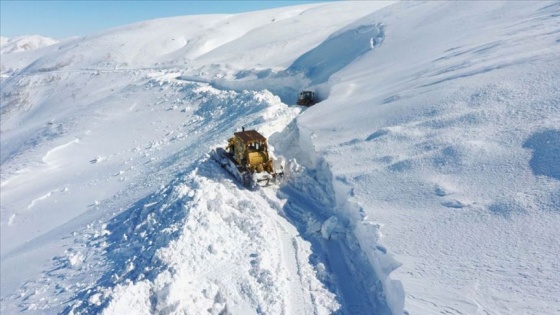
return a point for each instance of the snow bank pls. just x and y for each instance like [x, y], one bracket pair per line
[450, 146]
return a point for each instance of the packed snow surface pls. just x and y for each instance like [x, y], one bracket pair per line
[426, 181]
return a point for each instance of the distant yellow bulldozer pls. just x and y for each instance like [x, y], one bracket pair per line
[247, 158]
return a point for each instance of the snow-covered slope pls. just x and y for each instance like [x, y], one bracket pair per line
[24, 43]
[432, 158]
[455, 151]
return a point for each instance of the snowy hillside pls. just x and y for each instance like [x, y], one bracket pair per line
[426, 181]
[24, 43]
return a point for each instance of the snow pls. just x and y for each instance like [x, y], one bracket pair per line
[425, 181]
[24, 43]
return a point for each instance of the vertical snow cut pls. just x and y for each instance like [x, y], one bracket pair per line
[338, 51]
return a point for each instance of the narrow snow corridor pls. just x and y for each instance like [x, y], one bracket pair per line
[291, 267]
[341, 264]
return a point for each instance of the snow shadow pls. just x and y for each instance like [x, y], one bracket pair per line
[132, 239]
[338, 51]
[340, 262]
[546, 153]
[506, 208]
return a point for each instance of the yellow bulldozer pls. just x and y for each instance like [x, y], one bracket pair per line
[246, 156]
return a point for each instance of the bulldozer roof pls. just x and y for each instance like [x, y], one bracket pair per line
[249, 135]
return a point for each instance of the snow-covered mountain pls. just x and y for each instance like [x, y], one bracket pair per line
[24, 43]
[426, 181]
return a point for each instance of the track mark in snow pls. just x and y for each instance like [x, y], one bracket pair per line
[299, 290]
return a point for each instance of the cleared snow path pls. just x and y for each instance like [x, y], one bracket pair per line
[249, 251]
[341, 263]
[229, 236]
[200, 243]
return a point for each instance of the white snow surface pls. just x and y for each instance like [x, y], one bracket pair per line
[10, 45]
[426, 181]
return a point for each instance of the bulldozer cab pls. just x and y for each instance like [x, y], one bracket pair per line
[306, 98]
[249, 148]
[247, 158]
